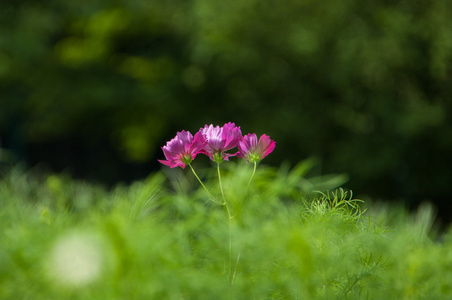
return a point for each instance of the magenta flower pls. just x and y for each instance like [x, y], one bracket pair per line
[250, 149]
[182, 149]
[220, 139]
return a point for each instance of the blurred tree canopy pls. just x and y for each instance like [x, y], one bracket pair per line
[99, 86]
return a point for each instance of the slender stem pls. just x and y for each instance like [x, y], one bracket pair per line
[252, 175]
[221, 186]
[230, 243]
[232, 276]
[248, 186]
[235, 270]
[230, 216]
[202, 184]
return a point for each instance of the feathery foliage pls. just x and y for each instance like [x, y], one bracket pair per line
[162, 238]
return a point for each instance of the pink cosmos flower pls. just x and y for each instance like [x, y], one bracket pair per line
[220, 139]
[250, 149]
[182, 149]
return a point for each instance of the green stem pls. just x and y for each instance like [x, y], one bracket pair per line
[221, 185]
[230, 244]
[235, 270]
[252, 175]
[232, 276]
[202, 184]
[228, 210]
[248, 186]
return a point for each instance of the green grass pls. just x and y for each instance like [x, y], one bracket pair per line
[162, 238]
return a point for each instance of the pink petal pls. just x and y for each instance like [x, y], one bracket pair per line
[213, 136]
[227, 155]
[172, 164]
[198, 144]
[247, 144]
[266, 145]
[231, 136]
[182, 144]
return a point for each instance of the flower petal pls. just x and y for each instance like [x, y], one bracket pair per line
[182, 149]
[198, 144]
[213, 136]
[230, 135]
[247, 144]
[172, 163]
[266, 145]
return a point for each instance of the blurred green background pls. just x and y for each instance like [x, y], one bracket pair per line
[96, 87]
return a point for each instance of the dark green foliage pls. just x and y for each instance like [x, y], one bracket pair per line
[98, 86]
